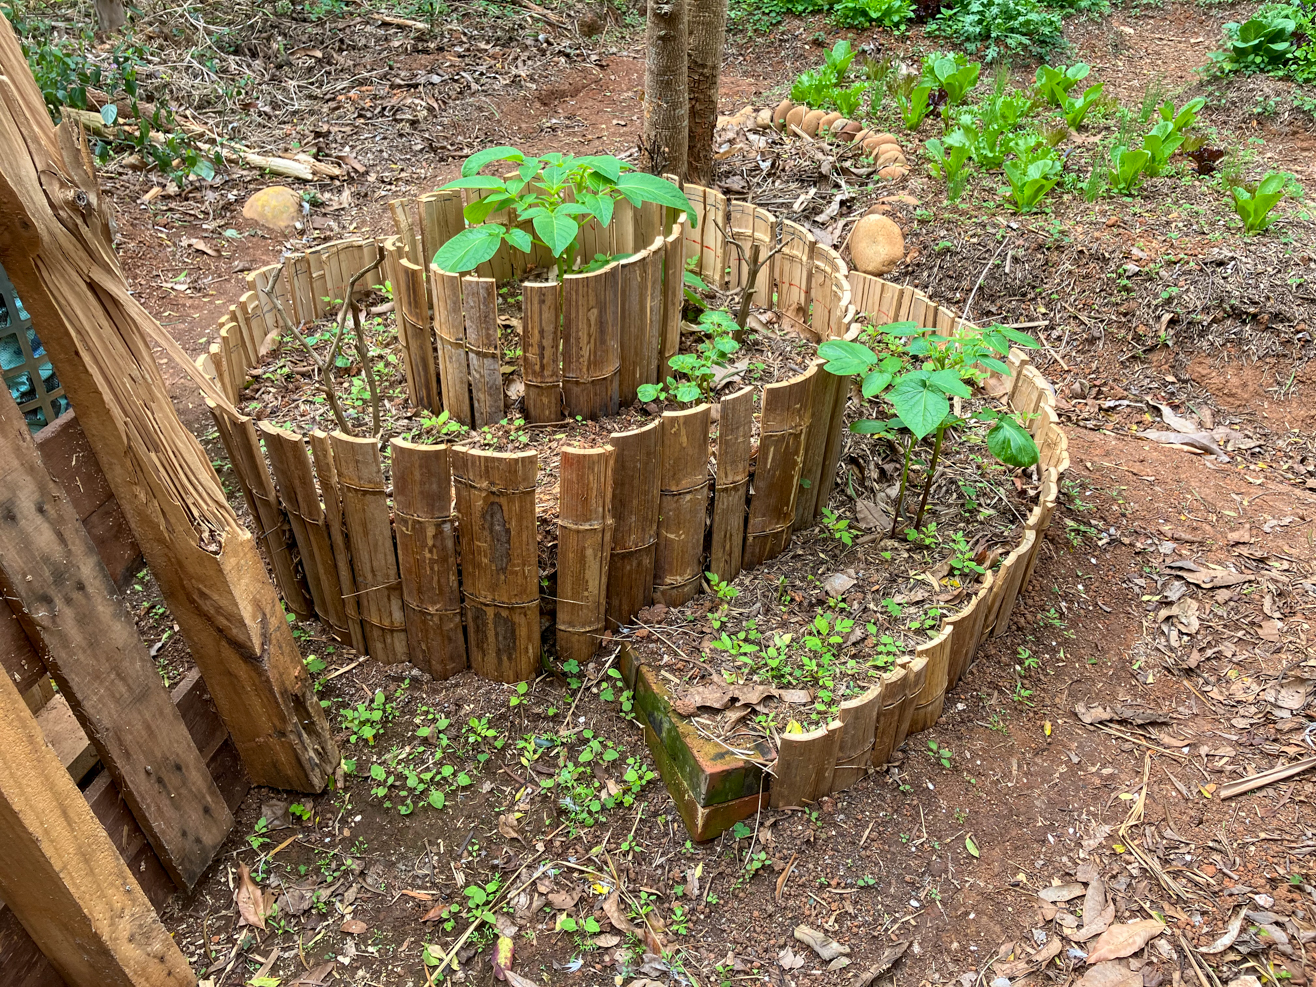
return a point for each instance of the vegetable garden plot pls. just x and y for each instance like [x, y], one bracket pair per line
[786, 710]
[386, 575]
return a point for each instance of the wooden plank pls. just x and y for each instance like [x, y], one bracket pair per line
[18, 658]
[297, 493]
[336, 525]
[584, 542]
[895, 683]
[297, 271]
[500, 561]
[321, 291]
[64, 733]
[635, 505]
[928, 703]
[968, 632]
[854, 751]
[591, 343]
[408, 236]
[243, 444]
[682, 505]
[649, 371]
[541, 350]
[422, 375]
[480, 306]
[62, 877]
[673, 298]
[807, 504]
[918, 672]
[633, 324]
[450, 330]
[734, 427]
[68, 458]
[427, 557]
[782, 427]
[440, 221]
[793, 273]
[63, 596]
[805, 766]
[374, 557]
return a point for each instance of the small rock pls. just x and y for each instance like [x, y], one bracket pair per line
[876, 245]
[277, 208]
[892, 172]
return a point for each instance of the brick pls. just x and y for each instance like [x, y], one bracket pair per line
[702, 822]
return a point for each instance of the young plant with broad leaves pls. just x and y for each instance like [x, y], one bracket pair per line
[1255, 203]
[918, 383]
[548, 200]
[700, 369]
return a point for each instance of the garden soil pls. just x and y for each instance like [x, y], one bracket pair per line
[1088, 746]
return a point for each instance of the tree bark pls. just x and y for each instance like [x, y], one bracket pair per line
[708, 30]
[110, 16]
[56, 246]
[666, 108]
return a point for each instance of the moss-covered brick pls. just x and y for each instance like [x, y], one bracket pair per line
[702, 822]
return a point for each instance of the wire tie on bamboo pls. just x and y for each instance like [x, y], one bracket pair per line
[590, 380]
[631, 551]
[372, 589]
[673, 491]
[500, 604]
[356, 486]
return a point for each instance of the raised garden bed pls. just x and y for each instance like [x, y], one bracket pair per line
[721, 766]
[445, 559]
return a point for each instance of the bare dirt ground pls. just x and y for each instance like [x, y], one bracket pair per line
[1078, 767]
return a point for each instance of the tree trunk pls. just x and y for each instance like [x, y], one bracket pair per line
[110, 16]
[55, 244]
[708, 29]
[665, 93]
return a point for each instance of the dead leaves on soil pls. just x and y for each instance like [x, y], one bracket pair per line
[252, 906]
[1124, 940]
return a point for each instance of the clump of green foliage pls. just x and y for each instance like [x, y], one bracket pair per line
[996, 27]
[549, 198]
[65, 70]
[1279, 39]
[1254, 204]
[890, 14]
[699, 369]
[917, 376]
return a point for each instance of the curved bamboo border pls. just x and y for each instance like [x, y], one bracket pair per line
[338, 557]
[909, 698]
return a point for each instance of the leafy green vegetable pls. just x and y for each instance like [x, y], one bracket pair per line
[1127, 169]
[1031, 175]
[1254, 205]
[956, 75]
[1054, 83]
[1076, 108]
[995, 27]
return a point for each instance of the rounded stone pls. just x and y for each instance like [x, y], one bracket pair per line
[871, 145]
[825, 124]
[779, 114]
[886, 147]
[876, 245]
[852, 130]
[812, 120]
[888, 157]
[277, 208]
[763, 120]
[892, 172]
[795, 117]
[887, 139]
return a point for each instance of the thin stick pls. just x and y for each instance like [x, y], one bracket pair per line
[326, 381]
[755, 265]
[973, 294]
[363, 351]
[932, 474]
[1265, 778]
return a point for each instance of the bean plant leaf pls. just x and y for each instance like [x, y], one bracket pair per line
[920, 402]
[479, 210]
[605, 164]
[481, 158]
[874, 383]
[557, 230]
[519, 239]
[476, 181]
[470, 248]
[638, 186]
[599, 205]
[845, 357]
[950, 382]
[1010, 443]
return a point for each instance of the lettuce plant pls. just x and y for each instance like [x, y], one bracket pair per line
[1254, 205]
[913, 99]
[1126, 169]
[1076, 108]
[555, 194]
[1160, 144]
[946, 160]
[1054, 83]
[955, 74]
[1032, 174]
[918, 383]
[1261, 44]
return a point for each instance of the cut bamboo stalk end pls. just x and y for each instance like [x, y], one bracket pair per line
[585, 530]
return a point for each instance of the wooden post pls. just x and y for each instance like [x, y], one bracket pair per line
[55, 244]
[635, 520]
[584, 542]
[61, 592]
[682, 505]
[500, 561]
[63, 878]
[427, 557]
[734, 426]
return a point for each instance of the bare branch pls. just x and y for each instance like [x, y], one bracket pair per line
[326, 381]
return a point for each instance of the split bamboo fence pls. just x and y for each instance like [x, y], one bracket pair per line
[445, 572]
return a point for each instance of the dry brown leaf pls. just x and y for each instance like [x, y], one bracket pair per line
[507, 827]
[1111, 973]
[1230, 934]
[824, 945]
[1095, 926]
[887, 961]
[1124, 940]
[564, 900]
[436, 913]
[250, 901]
[353, 927]
[617, 914]
[1060, 892]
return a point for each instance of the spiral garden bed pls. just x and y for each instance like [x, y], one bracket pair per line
[396, 572]
[437, 560]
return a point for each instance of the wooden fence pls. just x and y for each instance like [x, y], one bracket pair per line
[399, 580]
[908, 699]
